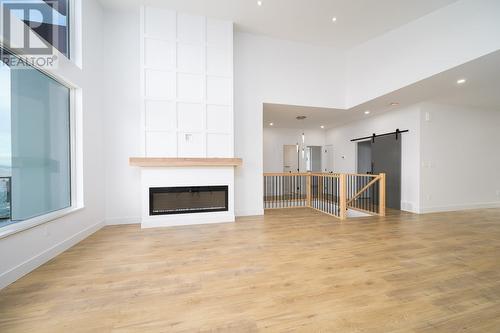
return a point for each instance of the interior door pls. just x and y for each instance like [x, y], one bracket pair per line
[386, 158]
[290, 158]
[365, 157]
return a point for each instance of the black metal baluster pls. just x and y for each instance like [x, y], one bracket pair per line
[294, 191]
[351, 187]
[337, 200]
[363, 194]
[268, 191]
[371, 196]
[279, 191]
[317, 192]
[313, 184]
[265, 192]
[320, 193]
[289, 185]
[323, 193]
[367, 193]
[300, 190]
[330, 195]
[275, 188]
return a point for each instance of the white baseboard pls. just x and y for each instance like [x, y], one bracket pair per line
[452, 208]
[257, 212]
[29, 265]
[123, 221]
[409, 206]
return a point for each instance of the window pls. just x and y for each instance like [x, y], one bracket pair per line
[49, 19]
[35, 143]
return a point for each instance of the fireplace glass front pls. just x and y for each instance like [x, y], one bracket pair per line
[187, 200]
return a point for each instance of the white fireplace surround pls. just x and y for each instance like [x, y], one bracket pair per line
[187, 107]
[186, 176]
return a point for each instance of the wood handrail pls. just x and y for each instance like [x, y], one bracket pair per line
[289, 174]
[320, 174]
[363, 175]
[286, 174]
[331, 175]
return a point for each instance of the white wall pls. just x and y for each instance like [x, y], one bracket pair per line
[187, 84]
[448, 37]
[27, 250]
[270, 70]
[460, 157]
[123, 135]
[345, 151]
[276, 138]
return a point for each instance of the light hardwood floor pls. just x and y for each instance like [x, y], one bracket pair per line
[294, 270]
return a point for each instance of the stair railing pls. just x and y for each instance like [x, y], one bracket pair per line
[335, 194]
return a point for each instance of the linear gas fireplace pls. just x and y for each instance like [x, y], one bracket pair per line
[187, 200]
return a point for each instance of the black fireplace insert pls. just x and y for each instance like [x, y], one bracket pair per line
[187, 200]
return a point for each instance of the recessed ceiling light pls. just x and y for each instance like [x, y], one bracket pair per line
[271, 124]
[394, 104]
[259, 3]
[322, 127]
[334, 19]
[367, 112]
[461, 81]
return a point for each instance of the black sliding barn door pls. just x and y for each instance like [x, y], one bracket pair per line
[386, 157]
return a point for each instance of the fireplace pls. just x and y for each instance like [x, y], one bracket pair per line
[187, 200]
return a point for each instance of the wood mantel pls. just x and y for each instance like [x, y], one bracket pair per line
[156, 162]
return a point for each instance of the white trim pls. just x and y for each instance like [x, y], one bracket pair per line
[459, 207]
[256, 212]
[29, 265]
[17, 227]
[123, 221]
[75, 32]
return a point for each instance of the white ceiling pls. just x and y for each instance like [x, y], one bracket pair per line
[482, 90]
[308, 21]
[284, 116]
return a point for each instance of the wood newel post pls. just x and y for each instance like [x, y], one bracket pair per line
[343, 196]
[308, 185]
[382, 194]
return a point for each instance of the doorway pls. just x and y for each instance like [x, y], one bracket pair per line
[383, 156]
[313, 159]
[290, 159]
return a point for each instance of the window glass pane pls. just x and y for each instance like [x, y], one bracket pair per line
[35, 146]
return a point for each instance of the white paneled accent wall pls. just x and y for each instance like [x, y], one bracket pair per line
[186, 85]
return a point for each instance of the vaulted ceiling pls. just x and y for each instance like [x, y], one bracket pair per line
[305, 21]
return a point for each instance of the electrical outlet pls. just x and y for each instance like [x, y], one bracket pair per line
[427, 116]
